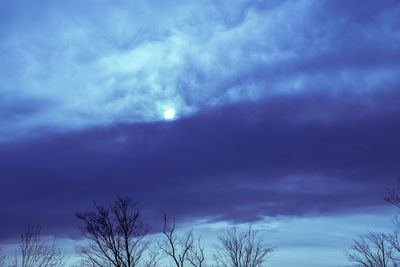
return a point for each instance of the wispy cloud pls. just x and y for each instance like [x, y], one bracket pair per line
[70, 66]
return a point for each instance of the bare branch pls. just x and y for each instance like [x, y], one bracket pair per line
[154, 255]
[241, 248]
[115, 233]
[371, 250]
[180, 249]
[36, 251]
[196, 255]
[2, 259]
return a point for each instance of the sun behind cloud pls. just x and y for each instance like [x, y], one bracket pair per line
[169, 114]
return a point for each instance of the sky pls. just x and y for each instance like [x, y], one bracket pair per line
[284, 114]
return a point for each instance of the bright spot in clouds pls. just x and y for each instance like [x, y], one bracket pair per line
[169, 114]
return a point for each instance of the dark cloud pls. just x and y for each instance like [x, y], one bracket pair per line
[294, 155]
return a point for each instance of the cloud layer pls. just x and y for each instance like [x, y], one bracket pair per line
[67, 66]
[296, 156]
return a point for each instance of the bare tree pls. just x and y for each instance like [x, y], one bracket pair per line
[372, 250]
[181, 249]
[2, 259]
[379, 249]
[196, 255]
[241, 248]
[116, 234]
[34, 251]
[154, 255]
[394, 241]
[393, 197]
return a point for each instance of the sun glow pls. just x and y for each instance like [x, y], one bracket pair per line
[169, 114]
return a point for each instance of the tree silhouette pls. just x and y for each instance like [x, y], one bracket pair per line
[241, 248]
[393, 197]
[115, 233]
[2, 259]
[372, 250]
[34, 251]
[379, 249]
[154, 255]
[181, 249]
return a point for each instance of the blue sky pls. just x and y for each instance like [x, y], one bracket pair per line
[281, 109]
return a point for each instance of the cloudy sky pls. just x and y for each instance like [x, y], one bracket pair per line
[213, 111]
